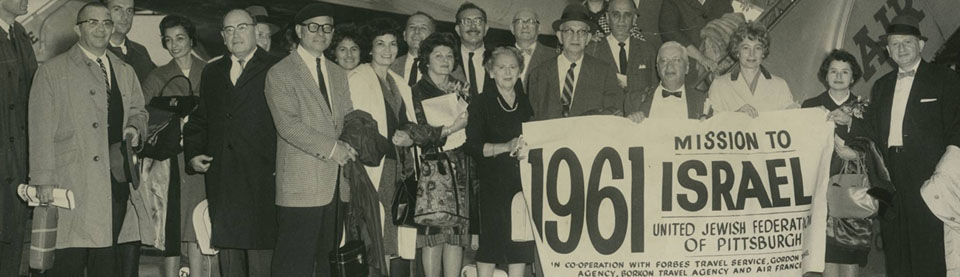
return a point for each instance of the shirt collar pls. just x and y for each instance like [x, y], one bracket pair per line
[533, 47]
[307, 57]
[564, 60]
[613, 40]
[913, 67]
[246, 60]
[122, 44]
[735, 73]
[464, 50]
[682, 88]
[93, 57]
[6, 26]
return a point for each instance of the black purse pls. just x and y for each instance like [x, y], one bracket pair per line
[405, 198]
[349, 260]
[163, 133]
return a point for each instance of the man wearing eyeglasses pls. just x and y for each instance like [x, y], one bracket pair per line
[309, 96]
[525, 28]
[419, 26]
[232, 139]
[574, 84]
[472, 29]
[121, 11]
[81, 102]
[633, 58]
[20, 63]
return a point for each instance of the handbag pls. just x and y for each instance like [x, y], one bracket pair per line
[405, 197]
[847, 195]
[163, 133]
[440, 201]
[349, 260]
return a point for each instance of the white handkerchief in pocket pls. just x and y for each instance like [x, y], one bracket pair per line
[927, 100]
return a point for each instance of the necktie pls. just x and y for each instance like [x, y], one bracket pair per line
[528, 51]
[413, 72]
[473, 75]
[623, 58]
[323, 84]
[105, 75]
[10, 34]
[667, 93]
[910, 73]
[566, 96]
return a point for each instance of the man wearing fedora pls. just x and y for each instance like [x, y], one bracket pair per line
[265, 29]
[914, 117]
[561, 88]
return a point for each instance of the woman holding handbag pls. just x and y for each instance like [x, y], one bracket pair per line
[185, 189]
[848, 239]
[441, 144]
[493, 139]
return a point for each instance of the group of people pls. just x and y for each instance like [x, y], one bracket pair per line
[266, 147]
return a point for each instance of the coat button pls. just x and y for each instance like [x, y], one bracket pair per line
[12, 106]
[96, 158]
[230, 146]
[96, 125]
[229, 115]
[92, 92]
[936, 197]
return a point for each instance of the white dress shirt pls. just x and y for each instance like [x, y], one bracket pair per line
[563, 64]
[311, 61]
[901, 93]
[526, 59]
[406, 70]
[669, 107]
[615, 49]
[122, 45]
[102, 57]
[6, 28]
[479, 72]
[237, 69]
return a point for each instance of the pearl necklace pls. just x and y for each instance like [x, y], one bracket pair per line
[502, 103]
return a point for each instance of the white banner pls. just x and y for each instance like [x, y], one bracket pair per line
[730, 196]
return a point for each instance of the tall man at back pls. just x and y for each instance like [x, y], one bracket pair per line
[419, 26]
[122, 12]
[20, 63]
[231, 137]
[633, 58]
[525, 29]
[472, 29]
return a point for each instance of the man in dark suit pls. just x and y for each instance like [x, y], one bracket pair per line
[914, 117]
[526, 28]
[633, 58]
[19, 64]
[133, 53]
[574, 84]
[681, 21]
[308, 97]
[470, 56]
[670, 99]
[231, 137]
[419, 26]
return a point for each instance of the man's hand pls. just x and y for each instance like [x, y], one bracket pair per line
[201, 163]
[840, 117]
[343, 153]
[134, 135]
[45, 194]
[637, 117]
[749, 110]
[402, 139]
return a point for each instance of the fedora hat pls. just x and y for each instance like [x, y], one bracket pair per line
[903, 25]
[259, 13]
[575, 12]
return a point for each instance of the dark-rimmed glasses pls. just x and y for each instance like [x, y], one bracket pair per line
[314, 27]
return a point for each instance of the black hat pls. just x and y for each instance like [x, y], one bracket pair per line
[903, 25]
[260, 14]
[575, 12]
[313, 10]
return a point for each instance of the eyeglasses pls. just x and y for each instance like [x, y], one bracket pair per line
[314, 27]
[107, 23]
[242, 27]
[528, 21]
[570, 32]
[476, 21]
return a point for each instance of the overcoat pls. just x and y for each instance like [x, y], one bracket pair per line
[18, 63]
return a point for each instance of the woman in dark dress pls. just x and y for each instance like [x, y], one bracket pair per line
[447, 243]
[493, 139]
[839, 72]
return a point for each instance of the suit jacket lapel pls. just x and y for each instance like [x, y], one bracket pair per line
[252, 68]
[603, 52]
[916, 93]
[633, 58]
[694, 103]
[338, 89]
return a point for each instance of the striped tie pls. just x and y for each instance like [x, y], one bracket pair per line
[105, 77]
[566, 96]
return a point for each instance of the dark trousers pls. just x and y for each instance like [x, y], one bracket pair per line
[115, 260]
[245, 262]
[306, 237]
[912, 234]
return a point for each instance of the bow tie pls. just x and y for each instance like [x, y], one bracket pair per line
[528, 51]
[910, 73]
[667, 93]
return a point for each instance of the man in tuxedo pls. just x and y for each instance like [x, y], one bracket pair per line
[671, 98]
[472, 29]
[419, 26]
[133, 53]
[308, 97]
[526, 28]
[20, 63]
[633, 58]
[232, 139]
[913, 117]
[574, 83]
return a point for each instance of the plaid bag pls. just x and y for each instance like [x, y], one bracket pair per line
[441, 200]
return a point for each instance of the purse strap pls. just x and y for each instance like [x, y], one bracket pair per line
[189, 85]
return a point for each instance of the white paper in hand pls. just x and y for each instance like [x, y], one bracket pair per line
[443, 111]
[61, 197]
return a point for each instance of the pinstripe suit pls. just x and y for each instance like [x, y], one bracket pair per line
[306, 174]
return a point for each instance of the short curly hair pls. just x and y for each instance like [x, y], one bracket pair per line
[842, 56]
[171, 21]
[343, 31]
[752, 31]
[433, 41]
[504, 50]
[373, 29]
